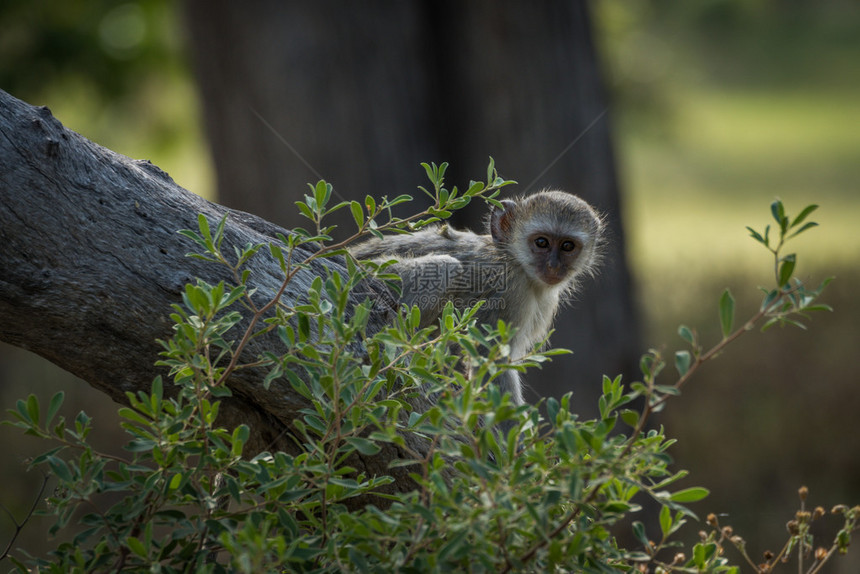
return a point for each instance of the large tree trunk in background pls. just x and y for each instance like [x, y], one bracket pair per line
[359, 95]
[294, 92]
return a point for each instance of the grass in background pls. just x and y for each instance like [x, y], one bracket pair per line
[712, 125]
[690, 195]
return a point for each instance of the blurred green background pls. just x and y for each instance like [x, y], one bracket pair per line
[719, 106]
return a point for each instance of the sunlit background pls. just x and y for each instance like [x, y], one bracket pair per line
[718, 107]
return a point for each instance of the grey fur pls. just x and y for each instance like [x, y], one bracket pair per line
[440, 264]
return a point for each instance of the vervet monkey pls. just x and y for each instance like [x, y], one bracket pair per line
[537, 249]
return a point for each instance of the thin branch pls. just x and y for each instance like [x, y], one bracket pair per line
[20, 527]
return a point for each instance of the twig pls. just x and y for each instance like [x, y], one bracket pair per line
[20, 527]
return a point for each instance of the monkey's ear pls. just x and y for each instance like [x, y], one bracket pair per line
[502, 220]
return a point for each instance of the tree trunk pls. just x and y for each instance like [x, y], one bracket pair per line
[91, 262]
[360, 94]
[295, 92]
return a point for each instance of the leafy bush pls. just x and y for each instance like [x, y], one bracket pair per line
[549, 494]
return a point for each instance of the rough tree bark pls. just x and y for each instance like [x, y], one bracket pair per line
[91, 262]
[360, 93]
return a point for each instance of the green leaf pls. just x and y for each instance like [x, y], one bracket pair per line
[357, 213]
[193, 235]
[306, 211]
[619, 506]
[682, 362]
[60, 468]
[304, 327]
[574, 488]
[693, 494]
[431, 175]
[803, 215]
[552, 408]
[203, 224]
[769, 298]
[443, 167]
[443, 197]
[219, 231]
[687, 334]
[33, 409]
[136, 546]
[322, 193]
[639, 533]
[607, 385]
[843, 540]
[240, 437]
[809, 225]
[133, 415]
[777, 209]
[757, 236]
[54, 406]
[786, 268]
[630, 417]
[403, 198]
[669, 480]
[665, 520]
[455, 547]
[363, 445]
[727, 312]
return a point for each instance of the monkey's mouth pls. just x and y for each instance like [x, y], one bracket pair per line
[552, 278]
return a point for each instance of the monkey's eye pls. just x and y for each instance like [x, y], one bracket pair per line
[568, 246]
[542, 242]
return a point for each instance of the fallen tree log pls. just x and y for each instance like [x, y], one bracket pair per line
[91, 262]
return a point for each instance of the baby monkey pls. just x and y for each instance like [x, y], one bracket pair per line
[537, 249]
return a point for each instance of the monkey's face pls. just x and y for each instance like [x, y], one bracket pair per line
[553, 256]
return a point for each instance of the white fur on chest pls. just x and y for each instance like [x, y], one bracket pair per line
[535, 320]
